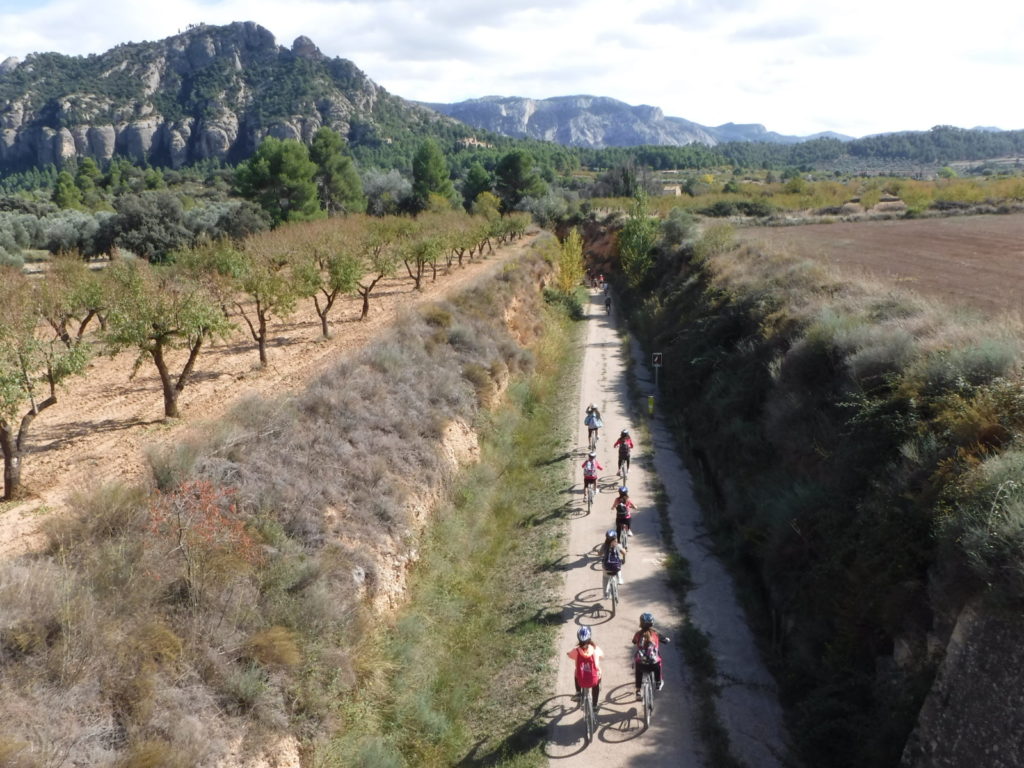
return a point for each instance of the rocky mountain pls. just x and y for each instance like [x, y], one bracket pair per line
[595, 121]
[209, 92]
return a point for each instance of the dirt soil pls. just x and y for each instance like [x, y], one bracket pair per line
[105, 421]
[972, 260]
[747, 706]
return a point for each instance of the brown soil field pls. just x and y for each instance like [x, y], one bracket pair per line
[104, 421]
[976, 261]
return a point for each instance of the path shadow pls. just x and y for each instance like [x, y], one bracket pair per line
[554, 460]
[559, 566]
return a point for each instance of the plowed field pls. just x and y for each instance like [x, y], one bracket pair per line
[973, 260]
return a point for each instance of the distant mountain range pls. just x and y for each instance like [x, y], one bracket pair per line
[214, 92]
[596, 121]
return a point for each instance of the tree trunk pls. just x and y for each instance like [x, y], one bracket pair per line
[322, 312]
[12, 446]
[12, 463]
[169, 390]
[263, 339]
[364, 291]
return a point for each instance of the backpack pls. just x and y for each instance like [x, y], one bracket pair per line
[621, 511]
[647, 653]
[590, 421]
[590, 468]
[586, 671]
[612, 560]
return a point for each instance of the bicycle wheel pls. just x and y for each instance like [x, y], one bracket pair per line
[589, 491]
[647, 693]
[623, 536]
[589, 718]
[615, 592]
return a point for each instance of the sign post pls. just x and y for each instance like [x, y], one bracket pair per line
[656, 365]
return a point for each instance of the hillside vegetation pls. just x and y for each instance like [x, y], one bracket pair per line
[215, 615]
[860, 452]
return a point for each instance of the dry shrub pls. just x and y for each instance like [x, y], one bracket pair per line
[274, 647]
[114, 510]
[15, 753]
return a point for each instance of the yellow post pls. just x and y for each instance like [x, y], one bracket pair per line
[650, 405]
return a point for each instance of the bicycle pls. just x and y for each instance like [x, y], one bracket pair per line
[647, 696]
[592, 438]
[589, 716]
[647, 689]
[612, 588]
[623, 468]
[588, 492]
[608, 305]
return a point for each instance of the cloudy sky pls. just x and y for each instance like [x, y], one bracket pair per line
[796, 66]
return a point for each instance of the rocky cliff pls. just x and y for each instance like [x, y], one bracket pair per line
[974, 712]
[209, 92]
[593, 121]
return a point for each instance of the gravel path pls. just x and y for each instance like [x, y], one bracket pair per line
[748, 706]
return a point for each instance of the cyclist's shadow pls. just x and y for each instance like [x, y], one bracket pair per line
[619, 717]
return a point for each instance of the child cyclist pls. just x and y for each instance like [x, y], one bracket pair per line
[593, 422]
[590, 470]
[613, 557]
[623, 512]
[625, 445]
[587, 656]
[647, 654]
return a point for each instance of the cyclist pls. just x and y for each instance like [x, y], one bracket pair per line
[647, 656]
[593, 422]
[607, 305]
[587, 656]
[613, 557]
[625, 445]
[623, 517]
[590, 468]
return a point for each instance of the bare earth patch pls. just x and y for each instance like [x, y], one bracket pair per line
[104, 421]
[972, 260]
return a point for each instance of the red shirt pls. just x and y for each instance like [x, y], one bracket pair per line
[629, 504]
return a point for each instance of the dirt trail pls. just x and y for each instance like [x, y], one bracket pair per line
[748, 706]
[104, 421]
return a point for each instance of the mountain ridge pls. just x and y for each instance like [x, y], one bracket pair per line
[595, 122]
[207, 92]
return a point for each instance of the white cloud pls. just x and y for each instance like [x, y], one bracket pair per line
[864, 67]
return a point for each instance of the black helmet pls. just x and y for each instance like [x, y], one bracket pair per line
[646, 620]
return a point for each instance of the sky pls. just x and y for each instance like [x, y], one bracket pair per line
[856, 67]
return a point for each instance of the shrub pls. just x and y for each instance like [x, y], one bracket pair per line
[274, 647]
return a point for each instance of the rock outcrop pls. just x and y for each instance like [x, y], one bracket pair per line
[974, 712]
[209, 92]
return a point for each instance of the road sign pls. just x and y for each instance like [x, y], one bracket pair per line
[656, 359]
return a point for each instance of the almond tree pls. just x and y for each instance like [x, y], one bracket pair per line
[71, 294]
[157, 310]
[379, 246]
[266, 279]
[328, 267]
[33, 361]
